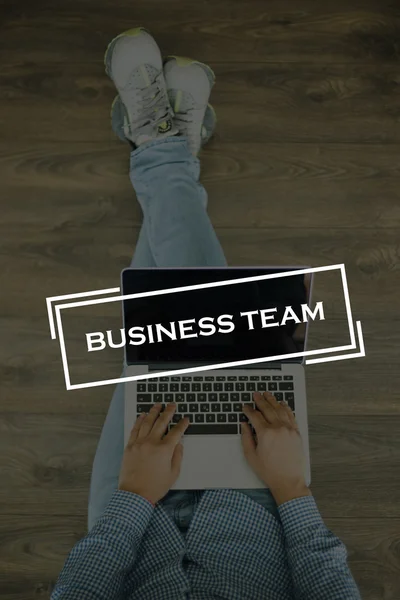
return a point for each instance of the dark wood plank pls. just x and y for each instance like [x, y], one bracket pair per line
[50, 464]
[67, 257]
[33, 552]
[292, 185]
[54, 453]
[358, 32]
[32, 378]
[372, 546]
[307, 103]
[303, 170]
[275, 102]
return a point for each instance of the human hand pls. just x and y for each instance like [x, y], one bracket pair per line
[152, 460]
[277, 455]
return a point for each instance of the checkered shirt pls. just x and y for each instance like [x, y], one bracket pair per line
[234, 549]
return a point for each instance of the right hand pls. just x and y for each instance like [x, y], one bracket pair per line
[153, 456]
[277, 455]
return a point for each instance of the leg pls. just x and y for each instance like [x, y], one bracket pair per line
[143, 256]
[107, 461]
[172, 217]
[176, 232]
[165, 176]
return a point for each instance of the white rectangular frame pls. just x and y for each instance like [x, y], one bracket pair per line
[59, 307]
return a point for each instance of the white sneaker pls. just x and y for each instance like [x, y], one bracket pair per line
[189, 85]
[133, 61]
[119, 122]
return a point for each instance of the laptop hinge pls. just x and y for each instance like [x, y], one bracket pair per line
[175, 366]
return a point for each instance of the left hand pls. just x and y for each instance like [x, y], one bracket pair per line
[152, 460]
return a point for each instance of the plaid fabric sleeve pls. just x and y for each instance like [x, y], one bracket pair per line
[97, 565]
[317, 559]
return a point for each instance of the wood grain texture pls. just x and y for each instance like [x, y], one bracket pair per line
[358, 455]
[371, 258]
[267, 185]
[32, 377]
[303, 170]
[32, 553]
[353, 32]
[255, 102]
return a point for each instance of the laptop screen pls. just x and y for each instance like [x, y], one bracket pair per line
[152, 324]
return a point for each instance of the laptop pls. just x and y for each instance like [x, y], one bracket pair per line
[212, 399]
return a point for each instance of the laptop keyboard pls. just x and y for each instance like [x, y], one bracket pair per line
[212, 403]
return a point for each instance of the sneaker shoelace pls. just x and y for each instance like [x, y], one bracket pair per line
[154, 105]
[184, 122]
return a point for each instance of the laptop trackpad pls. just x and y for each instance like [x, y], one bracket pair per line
[215, 461]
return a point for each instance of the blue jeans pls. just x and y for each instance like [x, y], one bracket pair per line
[176, 232]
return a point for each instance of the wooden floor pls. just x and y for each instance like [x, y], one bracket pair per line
[304, 169]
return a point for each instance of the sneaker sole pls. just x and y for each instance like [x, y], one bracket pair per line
[108, 53]
[209, 124]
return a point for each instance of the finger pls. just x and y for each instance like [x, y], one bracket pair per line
[255, 418]
[148, 421]
[248, 442]
[177, 459]
[174, 436]
[282, 410]
[271, 400]
[135, 429]
[283, 415]
[290, 415]
[161, 425]
[266, 408]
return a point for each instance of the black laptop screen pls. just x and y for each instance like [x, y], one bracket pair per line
[210, 337]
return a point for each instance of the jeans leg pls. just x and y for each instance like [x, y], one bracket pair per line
[143, 256]
[165, 176]
[107, 461]
[176, 232]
